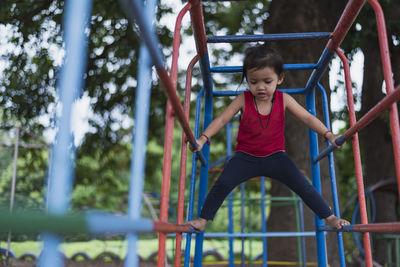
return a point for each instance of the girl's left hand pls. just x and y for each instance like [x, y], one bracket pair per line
[332, 138]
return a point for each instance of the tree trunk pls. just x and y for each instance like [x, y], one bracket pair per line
[301, 16]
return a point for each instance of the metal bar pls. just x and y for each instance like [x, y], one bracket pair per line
[193, 177]
[389, 82]
[235, 93]
[94, 223]
[182, 173]
[268, 37]
[347, 19]
[323, 64]
[242, 222]
[357, 155]
[316, 179]
[199, 33]
[303, 240]
[166, 179]
[263, 222]
[76, 21]
[138, 160]
[255, 234]
[391, 227]
[332, 175]
[178, 110]
[222, 69]
[228, 128]
[13, 181]
[27, 146]
[208, 108]
[371, 115]
[133, 10]
[166, 227]
[174, 77]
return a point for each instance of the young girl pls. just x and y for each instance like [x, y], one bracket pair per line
[260, 149]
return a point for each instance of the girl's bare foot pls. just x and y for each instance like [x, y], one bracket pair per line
[335, 222]
[198, 224]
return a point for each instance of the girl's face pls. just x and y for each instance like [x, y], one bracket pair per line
[263, 82]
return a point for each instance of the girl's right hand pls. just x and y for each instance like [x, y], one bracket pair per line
[200, 145]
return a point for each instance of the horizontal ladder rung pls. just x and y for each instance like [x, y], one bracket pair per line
[306, 66]
[291, 91]
[268, 37]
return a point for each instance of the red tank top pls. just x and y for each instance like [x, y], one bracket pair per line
[252, 138]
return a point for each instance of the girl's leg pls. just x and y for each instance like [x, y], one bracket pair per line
[289, 174]
[239, 169]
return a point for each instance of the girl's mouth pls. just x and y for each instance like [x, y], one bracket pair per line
[261, 94]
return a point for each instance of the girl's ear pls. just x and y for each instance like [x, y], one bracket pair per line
[281, 77]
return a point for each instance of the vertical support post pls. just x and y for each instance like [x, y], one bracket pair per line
[203, 176]
[196, 14]
[138, 160]
[316, 179]
[13, 181]
[76, 20]
[193, 177]
[388, 74]
[230, 204]
[357, 159]
[242, 222]
[263, 222]
[182, 172]
[303, 239]
[333, 176]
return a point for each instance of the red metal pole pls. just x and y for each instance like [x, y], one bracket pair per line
[171, 83]
[387, 71]
[166, 227]
[165, 186]
[357, 158]
[173, 105]
[199, 32]
[347, 19]
[176, 43]
[374, 112]
[182, 174]
[378, 228]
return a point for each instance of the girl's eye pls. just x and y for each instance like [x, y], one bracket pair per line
[267, 82]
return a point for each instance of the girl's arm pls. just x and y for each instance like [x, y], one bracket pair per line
[220, 121]
[308, 119]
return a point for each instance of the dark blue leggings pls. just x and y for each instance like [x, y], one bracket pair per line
[278, 166]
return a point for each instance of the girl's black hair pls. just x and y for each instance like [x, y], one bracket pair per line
[259, 57]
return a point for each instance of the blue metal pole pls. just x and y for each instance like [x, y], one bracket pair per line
[76, 21]
[303, 240]
[134, 10]
[263, 222]
[235, 93]
[316, 179]
[230, 204]
[138, 161]
[193, 177]
[332, 176]
[208, 108]
[323, 64]
[301, 66]
[254, 234]
[268, 37]
[242, 220]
